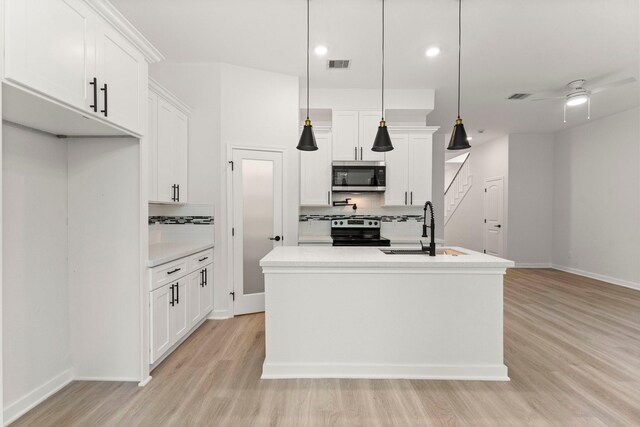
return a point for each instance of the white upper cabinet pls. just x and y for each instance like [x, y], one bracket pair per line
[121, 73]
[49, 47]
[409, 170]
[353, 134]
[170, 146]
[315, 173]
[74, 52]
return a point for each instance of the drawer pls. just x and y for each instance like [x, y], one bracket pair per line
[199, 260]
[167, 273]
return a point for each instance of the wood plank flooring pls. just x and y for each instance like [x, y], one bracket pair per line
[572, 346]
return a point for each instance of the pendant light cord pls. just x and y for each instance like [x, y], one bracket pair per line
[382, 112]
[307, 59]
[459, 49]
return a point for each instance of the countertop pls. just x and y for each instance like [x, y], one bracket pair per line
[348, 257]
[161, 253]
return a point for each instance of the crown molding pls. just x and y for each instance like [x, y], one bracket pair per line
[156, 87]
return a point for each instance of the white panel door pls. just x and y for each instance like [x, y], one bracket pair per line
[344, 129]
[160, 322]
[181, 152]
[152, 109]
[369, 121]
[179, 314]
[121, 68]
[166, 151]
[49, 46]
[257, 221]
[315, 173]
[420, 169]
[493, 211]
[206, 291]
[195, 282]
[396, 193]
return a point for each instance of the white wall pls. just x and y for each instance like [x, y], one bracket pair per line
[35, 312]
[531, 158]
[596, 213]
[465, 228]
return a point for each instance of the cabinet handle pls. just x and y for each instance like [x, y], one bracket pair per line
[355, 153]
[177, 285]
[106, 94]
[405, 197]
[94, 83]
[206, 277]
[412, 198]
[329, 198]
[178, 187]
[360, 153]
[201, 278]
[173, 195]
[172, 296]
[173, 271]
[202, 259]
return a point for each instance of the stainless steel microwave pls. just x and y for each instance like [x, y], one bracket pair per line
[358, 176]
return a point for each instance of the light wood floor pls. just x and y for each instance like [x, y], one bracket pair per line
[572, 346]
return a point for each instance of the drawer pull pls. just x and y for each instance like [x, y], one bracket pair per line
[174, 271]
[202, 259]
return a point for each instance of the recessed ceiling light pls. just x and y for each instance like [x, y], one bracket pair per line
[433, 51]
[321, 50]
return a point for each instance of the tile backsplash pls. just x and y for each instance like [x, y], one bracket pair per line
[181, 223]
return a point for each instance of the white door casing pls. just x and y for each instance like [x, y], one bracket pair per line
[257, 204]
[494, 215]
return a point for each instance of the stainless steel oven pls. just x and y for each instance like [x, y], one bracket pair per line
[358, 176]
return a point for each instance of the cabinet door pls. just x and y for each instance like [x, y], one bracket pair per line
[369, 122]
[396, 193]
[49, 47]
[166, 161]
[179, 315]
[344, 129]
[206, 292]
[181, 151]
[152, 107]
[420, 169]
[195, 282]
[161, 338]
[122, 68]
[315, 173]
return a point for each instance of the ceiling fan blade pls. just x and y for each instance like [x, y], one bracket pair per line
[612, 85]
[547, 98]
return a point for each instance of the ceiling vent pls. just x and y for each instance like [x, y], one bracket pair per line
[519, 96]
[338, 64]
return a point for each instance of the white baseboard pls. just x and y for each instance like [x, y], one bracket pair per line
[116, 379]
[601, 277]
[219, 315]
[27, 402]
[383, 371]
[533, 265]
[145, 381]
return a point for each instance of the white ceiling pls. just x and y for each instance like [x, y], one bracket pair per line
[508, 46]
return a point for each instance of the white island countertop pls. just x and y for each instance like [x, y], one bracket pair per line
[161, 253]
[347, 257]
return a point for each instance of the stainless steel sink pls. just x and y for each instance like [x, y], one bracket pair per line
[451, 252]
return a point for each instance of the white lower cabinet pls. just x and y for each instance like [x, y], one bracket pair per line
[177, 307]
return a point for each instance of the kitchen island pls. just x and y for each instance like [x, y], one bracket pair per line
[356, 312]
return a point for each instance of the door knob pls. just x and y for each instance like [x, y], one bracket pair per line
[498, 226]
[277, 238]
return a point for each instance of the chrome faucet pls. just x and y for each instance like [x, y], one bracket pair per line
[431, 249]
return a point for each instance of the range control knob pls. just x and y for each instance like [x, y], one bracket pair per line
[370, 223]
[341, 223]
[375, 223]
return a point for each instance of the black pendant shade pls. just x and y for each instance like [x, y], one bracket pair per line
[383, 140]
[458, 139]
[307, 139]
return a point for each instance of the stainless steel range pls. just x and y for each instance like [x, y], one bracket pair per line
[357, 232]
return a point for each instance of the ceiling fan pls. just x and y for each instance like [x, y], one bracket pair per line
[576, 93]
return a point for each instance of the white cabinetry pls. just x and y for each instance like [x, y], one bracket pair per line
[409, 170]
[169, 145]
[176, 307]
[63, 49]
[315, 173]
[353, 134]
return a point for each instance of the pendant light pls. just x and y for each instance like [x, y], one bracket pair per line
[307, 139]
[459, 139]
[383, 140]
